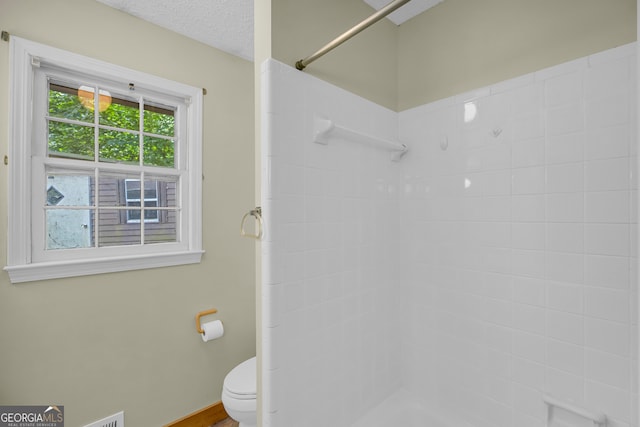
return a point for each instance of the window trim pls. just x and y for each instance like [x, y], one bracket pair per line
[26, 56]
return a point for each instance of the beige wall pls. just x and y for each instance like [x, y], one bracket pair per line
[452, 48]
[460, 45]
[127, 341]
[364, 65]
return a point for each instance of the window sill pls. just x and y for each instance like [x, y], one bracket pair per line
[84, 267]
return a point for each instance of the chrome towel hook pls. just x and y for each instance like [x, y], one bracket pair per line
[257, 214]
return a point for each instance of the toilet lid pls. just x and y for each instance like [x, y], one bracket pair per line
[241, 381]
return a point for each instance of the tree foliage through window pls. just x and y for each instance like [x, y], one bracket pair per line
[72, 129]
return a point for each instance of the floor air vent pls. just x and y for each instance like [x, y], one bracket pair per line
[115, 420]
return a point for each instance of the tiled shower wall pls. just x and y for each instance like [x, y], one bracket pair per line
[330, 255]
[493, 264]
[520, 232]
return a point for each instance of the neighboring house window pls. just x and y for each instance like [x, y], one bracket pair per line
[135, 196]
[100, 183]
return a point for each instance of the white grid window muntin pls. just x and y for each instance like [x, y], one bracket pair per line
[34, 67]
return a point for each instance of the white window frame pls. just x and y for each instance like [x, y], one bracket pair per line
[26, 56]
[142, 200]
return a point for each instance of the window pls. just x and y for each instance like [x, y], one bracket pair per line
[105, 167]
[133, 193]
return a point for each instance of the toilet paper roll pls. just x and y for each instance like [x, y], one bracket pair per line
[212, 330]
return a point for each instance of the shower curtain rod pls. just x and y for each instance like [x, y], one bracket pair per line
[301, 64]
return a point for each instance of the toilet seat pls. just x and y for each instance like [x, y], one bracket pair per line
[240, 383]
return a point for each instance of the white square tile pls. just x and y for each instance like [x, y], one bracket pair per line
[565, 237]
[568, 207]
[606, 77]
[529, 180]
[564, 89]
[496, 208]
[528, 263]
[528, 126]
[495, 183]
[607, 336]
[500, 390]
[565, 327]
[607, 271]
[499, 312]
[528, 207]
[529, 318]
[607, 304]
[608, 111]
[607, 206]
[609, 142]
[498, 286]
[607, 175]
[607, 239]
[528, 153]
[499, 338]
[565, 119]
[565, 386]
[498, 363]
[566, 148]
[528, 373]
[565, 267]
[491, 234]
[497, 155]
[529, 346]
[565, 356]
[528, 99]
[608, 368]
[565, 297]
[528, 401]
[529, 290]
[565, 178]
[528, 235]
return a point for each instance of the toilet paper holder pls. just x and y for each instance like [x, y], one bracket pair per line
[199, 315]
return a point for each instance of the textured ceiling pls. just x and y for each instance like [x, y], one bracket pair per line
[227, 24]
[224, 24]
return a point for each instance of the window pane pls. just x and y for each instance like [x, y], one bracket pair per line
[160, 233]
[69, 189]
[151, 190]
[133, 215]
[65, 103]
[162, 227]
[112, 188]
[158, 152]
[113, 232]
[123, 113]
[132, 188]
[72, 141]
[150, 214]
[159, 119]
[161, 230]
[68, 228]
[167, 190]
[119, 147]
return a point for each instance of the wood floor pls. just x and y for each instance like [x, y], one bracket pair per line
[226, 423]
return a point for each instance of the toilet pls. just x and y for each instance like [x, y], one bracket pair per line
[239, 393]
